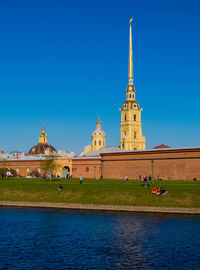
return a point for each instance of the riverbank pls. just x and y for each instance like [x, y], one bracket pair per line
[174, 210]
[119, 193]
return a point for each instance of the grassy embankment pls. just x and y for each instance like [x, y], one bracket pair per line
[116, 192]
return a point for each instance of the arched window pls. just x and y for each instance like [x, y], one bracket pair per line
[134, 117]
[99, 142]
[87, 169]
[130, 95]
[95, 143]
[125, 118]
[135, 134]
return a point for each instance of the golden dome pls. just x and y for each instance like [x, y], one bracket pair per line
[42, 147]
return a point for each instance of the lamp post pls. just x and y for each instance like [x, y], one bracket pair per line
[152, 163]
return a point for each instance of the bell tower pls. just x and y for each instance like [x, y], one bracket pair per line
[131, 126]
[98, 137]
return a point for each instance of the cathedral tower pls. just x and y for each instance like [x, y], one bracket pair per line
[131, 126]
[98, 137]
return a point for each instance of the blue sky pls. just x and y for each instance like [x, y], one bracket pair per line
[64, 62]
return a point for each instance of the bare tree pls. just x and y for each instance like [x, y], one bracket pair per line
[50, 166]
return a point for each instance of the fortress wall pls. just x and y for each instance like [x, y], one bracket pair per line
[88, 168]
[169, 164]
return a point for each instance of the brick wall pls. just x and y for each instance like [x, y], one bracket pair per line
[169, 164]
[88, 168]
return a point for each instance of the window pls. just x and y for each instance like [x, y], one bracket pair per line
[125, 118]
[99, 142]
[87, 169]
[95, 143]
[28, 170]
[130, 95]
[135, 134]
[135, 148]
[134, 117]
[133, 96]
[73, 169]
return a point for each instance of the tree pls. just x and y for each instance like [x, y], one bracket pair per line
[3, 164]
[50, 166]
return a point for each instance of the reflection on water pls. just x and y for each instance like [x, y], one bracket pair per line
[60, 239]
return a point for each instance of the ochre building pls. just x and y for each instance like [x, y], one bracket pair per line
[98, 139]
[131, 126]
[26, 166]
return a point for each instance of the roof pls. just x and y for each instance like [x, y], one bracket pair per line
[40, 148]
[102, 150]
[161, 146]
[155, 150]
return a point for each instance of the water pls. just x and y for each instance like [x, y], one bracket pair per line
[62, 239]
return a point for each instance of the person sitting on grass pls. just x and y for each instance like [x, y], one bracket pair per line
[158, 192]
[60, 187]
[163, 191]
[154, 190]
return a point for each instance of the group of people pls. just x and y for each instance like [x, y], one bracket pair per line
[145, 179]
[159, 191]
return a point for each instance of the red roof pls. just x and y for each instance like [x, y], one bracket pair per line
[161, 146]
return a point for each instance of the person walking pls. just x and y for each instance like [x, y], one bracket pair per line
[150, 179]
[81, 179]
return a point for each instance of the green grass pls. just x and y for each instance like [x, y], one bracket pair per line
[117, 192]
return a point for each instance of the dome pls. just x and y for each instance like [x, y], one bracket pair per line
[42, 147]
[98, 131]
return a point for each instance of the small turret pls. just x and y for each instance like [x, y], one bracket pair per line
[98, 137]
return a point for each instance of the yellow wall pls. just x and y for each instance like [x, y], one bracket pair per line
[62, 162]
[98, 142]
[131, 128]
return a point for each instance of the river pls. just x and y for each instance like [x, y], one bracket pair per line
[73, 239]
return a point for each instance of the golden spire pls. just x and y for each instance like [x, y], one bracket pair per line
[130, 70]
[98, 121]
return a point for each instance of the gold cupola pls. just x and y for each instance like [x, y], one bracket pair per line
[43, 136]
